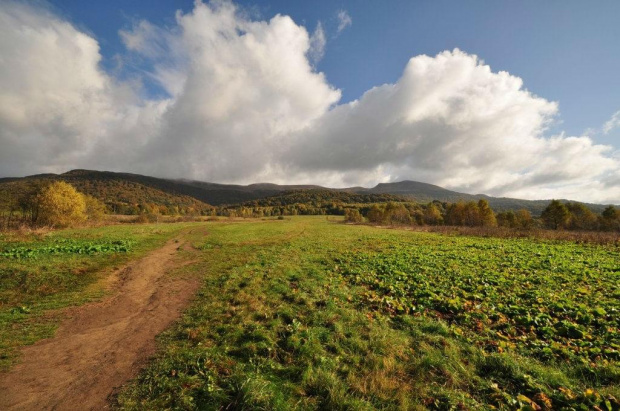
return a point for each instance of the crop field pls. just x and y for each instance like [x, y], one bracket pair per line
[310, 313]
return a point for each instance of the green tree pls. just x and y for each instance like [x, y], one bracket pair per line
[611, 218]
[556, 215]
[507, 219]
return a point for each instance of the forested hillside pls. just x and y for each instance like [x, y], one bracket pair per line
[119, 195]
[122, 191]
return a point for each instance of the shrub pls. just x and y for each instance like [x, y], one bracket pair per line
[60, 205]
[375, 214]
[146, 218]
[95, 209]
[352, 215]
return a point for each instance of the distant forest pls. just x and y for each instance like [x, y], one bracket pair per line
[407, 203]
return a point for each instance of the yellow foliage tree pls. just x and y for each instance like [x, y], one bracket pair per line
[95, 209]
[61, 205]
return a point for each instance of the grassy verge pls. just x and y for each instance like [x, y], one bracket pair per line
[41, 274]
[308, 314]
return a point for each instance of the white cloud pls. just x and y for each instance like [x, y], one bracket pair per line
[450, 120]
[612, 123]
[245, 104]
[55, 101]
[344, 20]
[317, 44]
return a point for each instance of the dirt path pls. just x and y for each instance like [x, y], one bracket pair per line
[100, 345]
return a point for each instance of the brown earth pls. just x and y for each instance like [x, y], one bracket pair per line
[99, 346]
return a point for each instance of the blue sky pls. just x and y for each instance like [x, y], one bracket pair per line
[565, 51]
[506, 98]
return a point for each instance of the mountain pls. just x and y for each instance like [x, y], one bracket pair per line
[134, 188]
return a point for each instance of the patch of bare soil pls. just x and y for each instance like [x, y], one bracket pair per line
[99, 346]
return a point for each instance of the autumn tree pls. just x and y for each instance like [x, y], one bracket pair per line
[487, 216]
[471, 213]
[60, 205]
[455, 214]
[95, 209]
[524, 219]
[396, 213]
[432, 215]
[581, 217]
[352, 215]
[375, 214]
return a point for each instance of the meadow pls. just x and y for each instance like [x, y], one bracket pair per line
[311, 313]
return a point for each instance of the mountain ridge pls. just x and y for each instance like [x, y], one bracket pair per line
[217, 194]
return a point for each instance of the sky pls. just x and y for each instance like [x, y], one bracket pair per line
[514, 98]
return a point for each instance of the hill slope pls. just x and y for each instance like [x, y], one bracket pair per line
[423, 192]
[122, 195]
[133, 188]
[321, 197]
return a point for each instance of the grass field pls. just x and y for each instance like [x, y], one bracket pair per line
[307, 313]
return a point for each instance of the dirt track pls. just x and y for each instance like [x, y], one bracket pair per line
[100, 345]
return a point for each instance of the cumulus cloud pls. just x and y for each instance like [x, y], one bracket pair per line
[55, 101]
[450, 120]
[344, 20]
[244, 103]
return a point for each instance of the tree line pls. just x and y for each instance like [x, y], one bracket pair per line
[59, 204]
[556, 216]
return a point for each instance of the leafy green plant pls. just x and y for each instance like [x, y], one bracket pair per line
[68, 247]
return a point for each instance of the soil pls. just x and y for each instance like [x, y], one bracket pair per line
[101, 345]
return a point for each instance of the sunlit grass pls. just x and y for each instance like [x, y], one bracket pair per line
[278, 326]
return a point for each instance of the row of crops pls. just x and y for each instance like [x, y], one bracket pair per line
[65, 247]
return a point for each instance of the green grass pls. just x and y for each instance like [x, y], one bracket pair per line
[310, 314]
[40, 274]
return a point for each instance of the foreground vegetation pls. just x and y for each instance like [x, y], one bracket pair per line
[41, 272]
[311, 314]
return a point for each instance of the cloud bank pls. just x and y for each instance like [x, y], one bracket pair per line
[244, 103]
